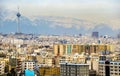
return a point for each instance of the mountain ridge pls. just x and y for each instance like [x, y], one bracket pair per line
[56, 25]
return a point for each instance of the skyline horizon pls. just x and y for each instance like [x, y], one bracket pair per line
[24, 20]
[59, 17]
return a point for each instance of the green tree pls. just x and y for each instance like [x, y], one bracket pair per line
[10, 50]
[6, 69]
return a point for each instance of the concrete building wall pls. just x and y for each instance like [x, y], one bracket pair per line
[28, 65]
[2, 67]
[114, 68]
[55, 49]
[71, 69]
[61, 49]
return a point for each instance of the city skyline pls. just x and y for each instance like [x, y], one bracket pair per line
[59, 38]
[77, 16]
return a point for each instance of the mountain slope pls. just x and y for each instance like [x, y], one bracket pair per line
[55, 25]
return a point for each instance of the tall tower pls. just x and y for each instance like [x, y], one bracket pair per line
[18, 17]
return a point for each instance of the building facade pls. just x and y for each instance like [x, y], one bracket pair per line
[28, 65]
[109, 68]
[71, 69]
[2, 67]
[62, 49]
[19, 65]
[49, 71]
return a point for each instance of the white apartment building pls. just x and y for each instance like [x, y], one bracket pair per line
[113, 68]
[71, 69]
[2, 67]
[28, 65]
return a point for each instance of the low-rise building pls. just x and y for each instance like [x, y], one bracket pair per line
[49, 71]
[28, 65]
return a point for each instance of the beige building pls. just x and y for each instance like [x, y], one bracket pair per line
[114, 68]
[2, 67]
[76, 58]
[18, 65]
[93, 62]
[93, 65]
[49, 71]
[61, 49]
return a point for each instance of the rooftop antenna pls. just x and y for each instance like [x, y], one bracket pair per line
[18, 17]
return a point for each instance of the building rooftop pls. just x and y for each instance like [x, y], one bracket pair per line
[73, 64]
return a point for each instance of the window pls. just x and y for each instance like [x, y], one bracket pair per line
[111, 63]
[115, 66]
[111, 73]
[115, 73]
[111, 66]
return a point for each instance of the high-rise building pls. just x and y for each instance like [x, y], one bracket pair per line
[62, 49]
[118, 35]
[59, 49]
[95, 34]
[2, 67]
[19, 65]
[71, 69]
[109, 68]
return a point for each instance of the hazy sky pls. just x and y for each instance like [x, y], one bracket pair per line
[99, 11]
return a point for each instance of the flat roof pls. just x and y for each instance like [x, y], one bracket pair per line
[73, 64]
[111, 61]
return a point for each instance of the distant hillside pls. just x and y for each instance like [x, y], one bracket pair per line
[55, 25]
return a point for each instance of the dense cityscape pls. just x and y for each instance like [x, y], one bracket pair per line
[59, 55]
[55, 38]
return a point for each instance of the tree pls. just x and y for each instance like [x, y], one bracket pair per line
[2, 55]
[13, 73]
[10, 50]
[6, 69]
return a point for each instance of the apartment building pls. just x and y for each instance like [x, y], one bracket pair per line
[61, 49]
[28, 65]
[2, 67]
[71, 69]
[18, 65]
[109, 68]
